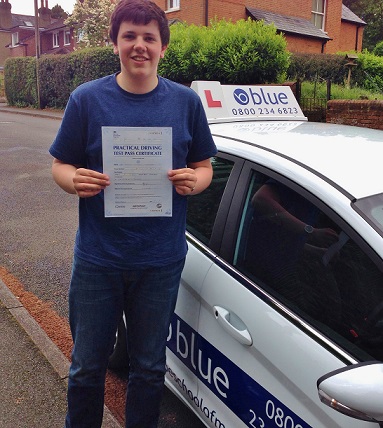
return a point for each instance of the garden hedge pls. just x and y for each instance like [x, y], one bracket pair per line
[245, 52]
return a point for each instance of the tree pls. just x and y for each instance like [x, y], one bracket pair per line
[58, 12]
[91, 19]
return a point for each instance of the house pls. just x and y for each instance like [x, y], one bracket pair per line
[17, 33]
[310, 26]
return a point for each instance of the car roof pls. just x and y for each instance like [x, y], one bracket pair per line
[349, 156]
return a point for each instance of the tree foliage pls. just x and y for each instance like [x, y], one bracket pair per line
[58, 12]
[91, 18]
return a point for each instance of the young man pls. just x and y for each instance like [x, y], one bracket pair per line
[130, 264]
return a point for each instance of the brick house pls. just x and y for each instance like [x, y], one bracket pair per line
[17, 33]
[312, 26]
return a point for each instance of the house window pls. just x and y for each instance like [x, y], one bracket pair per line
[67, 37]
[173, 4]
[15, 39]
[318, 13]
[56, 42]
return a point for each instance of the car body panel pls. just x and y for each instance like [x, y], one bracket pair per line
[325, 148]
[188, 304]
[280, 367]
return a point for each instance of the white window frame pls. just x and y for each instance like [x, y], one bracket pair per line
[56, 39]
[15, 38]
[67, 37]
[173, 4]
[318, 13]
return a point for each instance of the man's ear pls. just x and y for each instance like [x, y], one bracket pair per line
[163, 51]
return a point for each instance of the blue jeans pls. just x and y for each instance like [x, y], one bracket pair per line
[97, 298]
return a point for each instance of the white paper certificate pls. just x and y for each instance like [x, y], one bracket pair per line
[137, 161]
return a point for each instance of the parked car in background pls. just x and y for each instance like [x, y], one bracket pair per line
[280, 308]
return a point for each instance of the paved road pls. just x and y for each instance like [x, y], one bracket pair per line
[38, 223]
[37, 220]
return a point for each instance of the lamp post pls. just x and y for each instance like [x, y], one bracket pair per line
[37, 41]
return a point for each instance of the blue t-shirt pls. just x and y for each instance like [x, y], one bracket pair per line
[131, 242]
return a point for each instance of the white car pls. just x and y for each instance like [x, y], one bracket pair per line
[280, 308]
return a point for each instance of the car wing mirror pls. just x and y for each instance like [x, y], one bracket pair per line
[355, 391]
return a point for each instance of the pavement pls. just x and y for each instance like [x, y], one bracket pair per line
[33, 370]
[48, 113]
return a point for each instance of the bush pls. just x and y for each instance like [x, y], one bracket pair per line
[378, 49]
[59, 75]
[314, 67]
[369, 72]
[20, 81]
[245, 52]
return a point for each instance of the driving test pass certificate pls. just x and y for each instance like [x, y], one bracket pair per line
[137, 161]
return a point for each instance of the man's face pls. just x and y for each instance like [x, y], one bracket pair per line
[140, 49]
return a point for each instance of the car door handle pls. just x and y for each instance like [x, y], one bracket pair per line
[233, 325]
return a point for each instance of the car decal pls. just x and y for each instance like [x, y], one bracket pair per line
[245, 397]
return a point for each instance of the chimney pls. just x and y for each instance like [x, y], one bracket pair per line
[5, 14]
[44, 14]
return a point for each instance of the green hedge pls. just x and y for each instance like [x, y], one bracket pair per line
[58, 75]
[246, 52]
[61, 74]
[318, 66]
[20, 81]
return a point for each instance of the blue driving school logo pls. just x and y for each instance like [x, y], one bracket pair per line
[254, 96]
[246, 398]
[241, 97]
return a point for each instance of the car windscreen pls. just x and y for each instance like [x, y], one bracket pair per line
[371, 209]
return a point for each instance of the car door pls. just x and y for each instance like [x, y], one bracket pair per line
[265, 335]
[204, 211]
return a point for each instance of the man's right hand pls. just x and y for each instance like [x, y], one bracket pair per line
[89, 183]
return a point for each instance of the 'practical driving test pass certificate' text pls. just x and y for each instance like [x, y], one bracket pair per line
[137, 161]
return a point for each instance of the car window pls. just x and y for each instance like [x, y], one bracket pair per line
[203, 208]
[298, 254]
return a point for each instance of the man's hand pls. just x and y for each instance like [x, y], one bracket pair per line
[193, 179]
[184, 180]
[89, 183]
[79, 181]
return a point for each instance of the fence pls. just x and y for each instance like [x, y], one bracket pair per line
[314, 108]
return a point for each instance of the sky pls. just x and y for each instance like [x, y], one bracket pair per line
[27, 7]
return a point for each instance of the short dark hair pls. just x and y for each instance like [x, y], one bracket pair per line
[139, 12]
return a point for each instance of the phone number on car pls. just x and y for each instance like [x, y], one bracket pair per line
[264, 111]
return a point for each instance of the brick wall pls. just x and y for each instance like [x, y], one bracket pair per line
[191, 12]
[333, 25]
[300, 8]
[365, 113]
[302, 44]
[350, 35]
